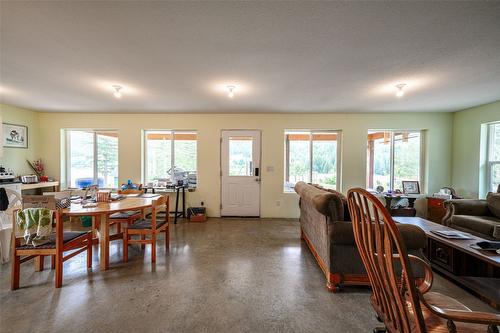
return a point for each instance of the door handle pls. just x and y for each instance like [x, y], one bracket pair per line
[257, 180]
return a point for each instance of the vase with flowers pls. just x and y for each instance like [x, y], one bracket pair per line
[38, 167]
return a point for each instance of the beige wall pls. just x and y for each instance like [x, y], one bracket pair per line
[354, 130]
[466, 177]
[15, 158]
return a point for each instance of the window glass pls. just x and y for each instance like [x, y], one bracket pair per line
[158, 154]
[392, 157]
[406, 157]
[379, 160]
[311, 156]
[107, 159]
[93, 158]
[240, 156]
[81, 154]
[324, 159]
[185, 151]
[494, 157]
[165, 149]
[299, 163]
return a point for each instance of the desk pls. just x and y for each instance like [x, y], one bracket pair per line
[176, 189]
[101, 213]
[40, 185]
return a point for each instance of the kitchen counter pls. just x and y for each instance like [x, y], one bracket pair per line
[54, 185]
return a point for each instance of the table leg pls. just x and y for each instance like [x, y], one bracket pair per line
[183, 202]
[176, 205]
[104, 242]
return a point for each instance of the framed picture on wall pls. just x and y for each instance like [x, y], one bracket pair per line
[411, 187]
[14, 136]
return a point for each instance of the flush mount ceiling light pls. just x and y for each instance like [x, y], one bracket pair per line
[117, 92]
[400, 89]
[231, 90]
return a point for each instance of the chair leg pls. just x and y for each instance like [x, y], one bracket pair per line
[167, 238]
[16, 270]
[118, 227]
[153, 248]
[125, 246]
[40, 263]
[52, 261]
[89, 250]
[143, 246]
[59, 270]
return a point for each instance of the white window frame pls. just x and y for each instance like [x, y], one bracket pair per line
[489, 153]
[68, 152]
[311, 132]
[391, 162]
[172, 149]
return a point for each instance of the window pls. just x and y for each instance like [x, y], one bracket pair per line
[92, 158]
[240, 156]
[165, 149]
[312, 156]
[393, 156]
[493, 172]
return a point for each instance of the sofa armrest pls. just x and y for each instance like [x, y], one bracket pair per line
[467, 207]
[414, 238]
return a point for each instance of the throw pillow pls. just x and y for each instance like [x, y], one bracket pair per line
[493, 201]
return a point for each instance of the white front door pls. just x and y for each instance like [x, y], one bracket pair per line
[240, 171]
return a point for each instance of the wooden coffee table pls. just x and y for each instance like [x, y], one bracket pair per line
[476, 270]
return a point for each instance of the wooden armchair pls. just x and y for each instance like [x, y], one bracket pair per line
[60, 242]
[400, 303]
[149, 228]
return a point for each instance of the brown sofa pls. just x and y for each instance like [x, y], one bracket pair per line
[478, 217]
[326, 228]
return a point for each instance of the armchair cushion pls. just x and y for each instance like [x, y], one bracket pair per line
[493, 201]
[482, 226]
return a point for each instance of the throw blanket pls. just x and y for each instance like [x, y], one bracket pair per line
[34, 225]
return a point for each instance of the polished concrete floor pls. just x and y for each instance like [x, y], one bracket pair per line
[226, 275]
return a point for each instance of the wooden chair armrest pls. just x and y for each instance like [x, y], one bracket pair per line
[426, 284]
[477, 317]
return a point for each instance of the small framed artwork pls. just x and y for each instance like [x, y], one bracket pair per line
[411, 187]
[14, 136]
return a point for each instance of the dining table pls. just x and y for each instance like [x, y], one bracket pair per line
[100, 213]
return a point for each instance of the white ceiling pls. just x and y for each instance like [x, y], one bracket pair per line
[283, 56]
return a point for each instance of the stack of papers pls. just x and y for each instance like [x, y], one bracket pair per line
[451, 234]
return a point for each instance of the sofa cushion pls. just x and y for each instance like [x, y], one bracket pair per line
[343, 198]
[486, 225]
[328, 204]
[493, 200]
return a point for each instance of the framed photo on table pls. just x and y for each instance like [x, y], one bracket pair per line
[14, 136]
[411, 187]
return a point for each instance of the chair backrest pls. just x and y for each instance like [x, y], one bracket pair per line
[39, 201]
[395, 298]
[160, 204]
[130, 191]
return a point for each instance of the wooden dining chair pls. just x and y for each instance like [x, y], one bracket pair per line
[402, 304]
[60, 242]
[127, 217]
[145, 228]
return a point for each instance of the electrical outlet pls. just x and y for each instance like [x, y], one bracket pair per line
[278, 203]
